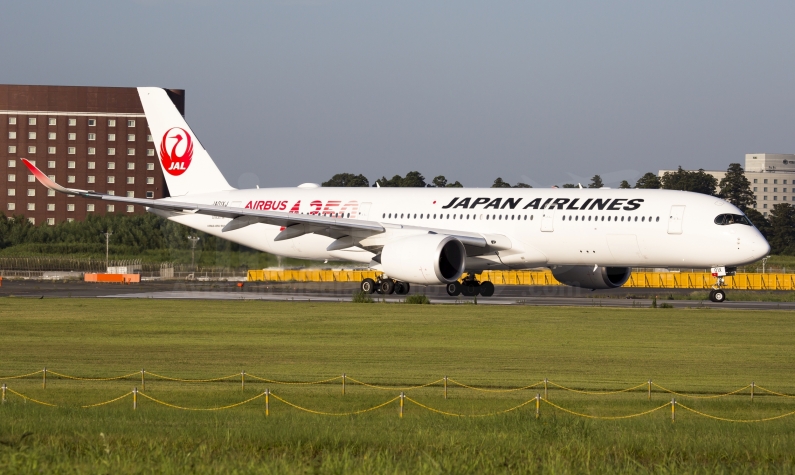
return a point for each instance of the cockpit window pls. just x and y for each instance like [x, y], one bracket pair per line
[726, 219]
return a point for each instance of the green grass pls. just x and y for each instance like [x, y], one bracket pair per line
[703, 351]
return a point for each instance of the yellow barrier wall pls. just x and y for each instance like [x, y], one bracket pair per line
[663, 280]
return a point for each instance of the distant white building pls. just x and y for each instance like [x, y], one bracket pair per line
[772, 177]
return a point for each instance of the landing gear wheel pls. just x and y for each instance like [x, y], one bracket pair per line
[454, 289]
[486, 289]
[718, 296]
[402, 288]
[387, 286]
[470, 289]
[368, 286]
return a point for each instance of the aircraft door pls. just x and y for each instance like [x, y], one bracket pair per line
[547, 220]
[675, 219]
[364, 210]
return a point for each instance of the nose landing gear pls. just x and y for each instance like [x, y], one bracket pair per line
[717, 294]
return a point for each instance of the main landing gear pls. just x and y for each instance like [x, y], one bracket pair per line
[717, 294]
[470, 287]
[385, 285]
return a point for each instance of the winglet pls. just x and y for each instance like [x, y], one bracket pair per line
[45, 180]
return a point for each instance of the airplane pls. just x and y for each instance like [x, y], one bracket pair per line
[589, 238]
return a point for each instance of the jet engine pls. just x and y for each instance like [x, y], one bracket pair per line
[588, 277]
[424, 259]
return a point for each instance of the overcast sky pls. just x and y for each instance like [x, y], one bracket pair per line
[283, 93]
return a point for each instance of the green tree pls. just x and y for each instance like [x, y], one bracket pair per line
[498, 183]
[624, 184]
[736, 189]
[782, 229]
[412, 179]
[441, 182]
[698, 181]
[596, 182]
[649, 181]
[347, 179]
[570, 185]
[522, 185]
[759, 220]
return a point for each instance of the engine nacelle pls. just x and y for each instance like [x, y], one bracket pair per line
[587, 277]
[424, 259]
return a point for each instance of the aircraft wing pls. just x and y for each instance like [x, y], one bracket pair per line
[294, 224]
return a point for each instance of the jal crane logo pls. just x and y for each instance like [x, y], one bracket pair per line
[174, 162]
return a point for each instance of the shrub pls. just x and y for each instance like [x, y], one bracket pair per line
[361, 297]
[419, 299]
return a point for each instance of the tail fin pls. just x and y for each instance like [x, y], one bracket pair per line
[187, 167]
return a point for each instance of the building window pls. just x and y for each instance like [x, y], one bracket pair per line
[51, 150]
[51, 135]
[12, 206]
[775, 198]
[12, 149]
[150, 152]
[92, 122]
[765, 181]
[50, 206]
[130, 180]
[150, 180]
[754, 188]
[149, 138]
[131, 123]
[32, 149]
[92, 151]
[31, 179]
[70, 220]
[111, 137]
[51, 221]
[111, 192]
[765, 199]
[31, 206]
[130, 165]
[111, 165]
[12, 121]
[70, 207]
[12, 177]
[32, 221]
[51, 164]
[130, 151]
[130, 208]
[111, 122]
[111, 208]
[111, 179]
[775, 190]
[775, 182]
[92, 165]
[12, 164]
[90, 207]
[92, 136]
[31, 191]
[783, 190]
[51, 177]
[31, 135]
[111, 151]
[90, 179]
[150, 166]
[31, 121]
[765, 189]
[72, 122]
[131, 137]
[764, 206]
[70, 179]
[71, 136]
[52, 121]
[51, 192]
[12, 192]
[12, 135]
[70, 164]
[70, 150]
[150, 194]
[130, 194]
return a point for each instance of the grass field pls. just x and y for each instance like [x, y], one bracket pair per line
[704, 352]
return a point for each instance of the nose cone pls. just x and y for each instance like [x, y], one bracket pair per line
[759, 246]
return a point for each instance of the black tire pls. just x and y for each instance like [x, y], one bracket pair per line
[470, 289]
[387, 286]
[712, 295]
[719, 296]
[368, 286]
[486, 289]
[454, 289]
[402, 288]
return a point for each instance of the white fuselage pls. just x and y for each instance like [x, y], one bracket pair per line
[529, 227]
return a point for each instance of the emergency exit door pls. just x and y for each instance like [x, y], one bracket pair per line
[675, 219]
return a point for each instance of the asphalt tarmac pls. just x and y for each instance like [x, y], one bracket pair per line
[342, 292]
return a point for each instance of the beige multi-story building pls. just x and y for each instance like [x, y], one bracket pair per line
[90, 138]
[772, 177]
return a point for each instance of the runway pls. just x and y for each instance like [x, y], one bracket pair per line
[342, 292]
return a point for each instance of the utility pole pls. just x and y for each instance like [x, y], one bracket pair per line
[107, 245]
[193, 241]
[764, 261]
